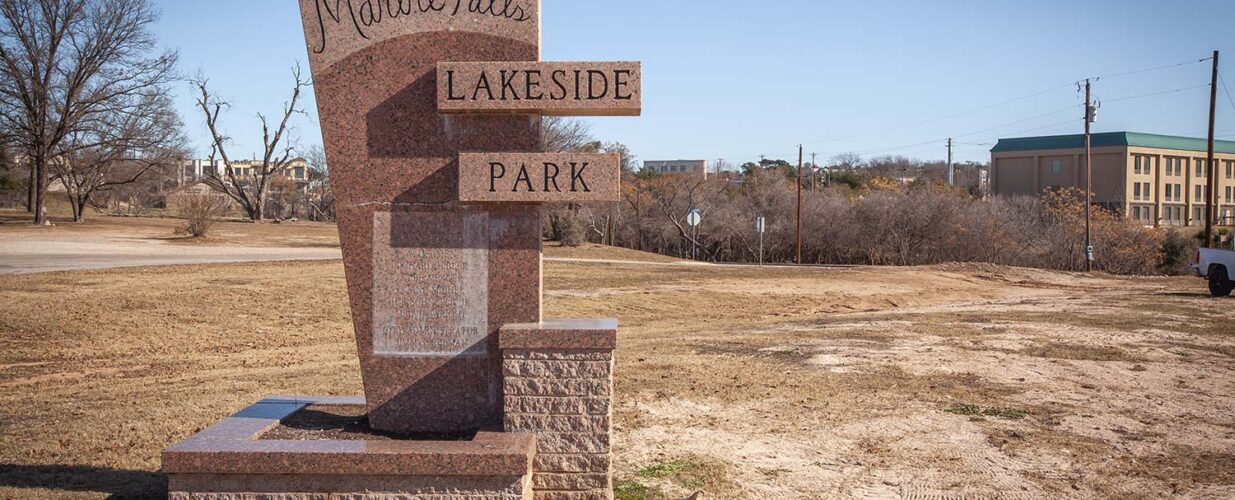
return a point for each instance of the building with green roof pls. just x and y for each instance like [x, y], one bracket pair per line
[1159, 180]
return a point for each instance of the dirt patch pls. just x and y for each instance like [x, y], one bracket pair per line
[1059, 350]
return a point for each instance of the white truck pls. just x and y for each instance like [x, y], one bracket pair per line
[1216, 265]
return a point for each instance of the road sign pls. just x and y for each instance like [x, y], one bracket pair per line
[695, 217]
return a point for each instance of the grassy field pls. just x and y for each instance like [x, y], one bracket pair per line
[942, 382]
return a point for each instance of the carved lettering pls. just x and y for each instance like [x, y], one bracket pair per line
[494, 175]
[363, 15]
[576, 178]
[430, 288]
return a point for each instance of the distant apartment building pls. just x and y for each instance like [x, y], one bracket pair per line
[1158, 180]
[672, 167]
[195, 170]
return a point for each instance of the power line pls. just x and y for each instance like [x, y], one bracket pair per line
[1069, 108]
[985, 139]
[1227, 90]
[991, 106]
[1157, 93]
[1156, 68]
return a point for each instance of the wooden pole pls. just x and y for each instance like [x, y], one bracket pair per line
[951, 171]
[800, 158]
[1211, 170]
[1089, 112]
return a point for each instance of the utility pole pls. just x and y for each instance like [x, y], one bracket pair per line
[800, 158]
[814, 170]
[1211, 169]
[1089, 118]
[951, 171]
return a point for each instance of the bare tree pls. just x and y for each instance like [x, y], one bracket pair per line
[250, 190]
[560, 134]
[64, 63]
[847, 161]
[321, 196]
[141, 136]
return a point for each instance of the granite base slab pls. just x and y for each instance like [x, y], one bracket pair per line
[231, 460]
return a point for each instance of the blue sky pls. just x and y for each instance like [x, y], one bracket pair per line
[739, 79]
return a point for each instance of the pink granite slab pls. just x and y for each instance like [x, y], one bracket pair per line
[233, 447]
[433, 364]
[540, 178]
[562, 334]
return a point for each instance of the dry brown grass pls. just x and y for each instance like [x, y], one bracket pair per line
[790, 383]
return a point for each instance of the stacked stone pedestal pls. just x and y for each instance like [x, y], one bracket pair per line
[558, 386]
[557, 390]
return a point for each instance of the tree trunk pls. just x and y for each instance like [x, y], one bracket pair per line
[73, 205]
[30, 195]
[79, 208]
[40, 194]
[259, 210]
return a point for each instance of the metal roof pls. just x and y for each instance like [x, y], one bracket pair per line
[1109, 139]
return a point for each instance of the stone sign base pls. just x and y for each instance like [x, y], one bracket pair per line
[231, 461]
[557, 389]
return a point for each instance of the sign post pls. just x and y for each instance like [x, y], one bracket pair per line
[760, 225]
[694, 218]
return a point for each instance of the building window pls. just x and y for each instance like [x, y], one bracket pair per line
[1136, 191]
[1200, 168]
[1199, 196]
[1175, 166]
[1229, 166]
[1144, 165]
[1056, 167]
[1148, 191]
[1228, 194]
[1143, 214]
[1198, 215]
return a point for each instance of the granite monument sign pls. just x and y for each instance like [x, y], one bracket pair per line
[431, 114]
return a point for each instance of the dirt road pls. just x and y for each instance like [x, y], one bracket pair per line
[949, 382]
[130, 242]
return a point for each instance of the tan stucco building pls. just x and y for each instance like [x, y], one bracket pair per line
[1159, 180]
[672, 167]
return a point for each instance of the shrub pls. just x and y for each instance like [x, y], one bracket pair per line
[572, 231]
[1178, 252]
[199, 211]
[884, 223]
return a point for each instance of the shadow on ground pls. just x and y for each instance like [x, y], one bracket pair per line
[83, 478]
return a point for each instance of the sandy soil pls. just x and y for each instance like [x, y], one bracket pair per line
[948, 382]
